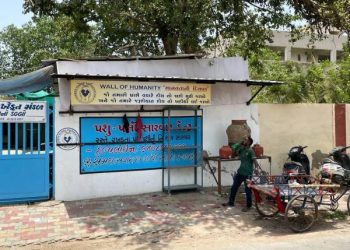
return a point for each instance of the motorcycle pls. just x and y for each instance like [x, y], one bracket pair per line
[336, 168]
[297, 170]
[299, 162]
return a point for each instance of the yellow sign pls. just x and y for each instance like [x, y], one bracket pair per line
[102, 92]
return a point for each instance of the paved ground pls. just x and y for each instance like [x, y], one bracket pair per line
[61, 221]
[157, 214]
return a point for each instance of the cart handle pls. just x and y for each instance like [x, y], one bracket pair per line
[273, 192]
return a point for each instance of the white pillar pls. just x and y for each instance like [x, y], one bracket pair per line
[287, 53]
[333, 56]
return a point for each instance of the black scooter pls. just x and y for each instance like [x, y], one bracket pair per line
[298, 168]
[340, 156]
[299, 162]
[336, 167]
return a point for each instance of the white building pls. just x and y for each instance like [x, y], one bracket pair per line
[78, 177]
[302, 51]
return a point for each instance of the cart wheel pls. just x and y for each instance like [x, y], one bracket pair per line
[267, 207]
[301, 213]
[348, 204]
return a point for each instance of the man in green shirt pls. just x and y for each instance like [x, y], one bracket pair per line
[245, 171]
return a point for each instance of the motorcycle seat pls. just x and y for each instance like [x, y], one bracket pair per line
[328, 160]
[293, 163]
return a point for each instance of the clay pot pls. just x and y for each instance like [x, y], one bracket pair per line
[237, 131]
[225, 152]
[258, 150]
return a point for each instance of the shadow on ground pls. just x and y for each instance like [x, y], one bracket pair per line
[161, 217]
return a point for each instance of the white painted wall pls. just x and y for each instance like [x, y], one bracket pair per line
[228, 103]
[71, 185]
[216, 120]
[331, 45]
[332, 42]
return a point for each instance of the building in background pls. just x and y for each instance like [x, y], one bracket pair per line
[302, 51]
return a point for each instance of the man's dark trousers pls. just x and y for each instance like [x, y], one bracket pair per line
[237, 181]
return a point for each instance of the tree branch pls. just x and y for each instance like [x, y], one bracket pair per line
[258, 7]
[139, 20]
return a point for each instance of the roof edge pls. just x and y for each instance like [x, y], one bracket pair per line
[169, 79]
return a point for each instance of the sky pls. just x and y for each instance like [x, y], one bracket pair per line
[11, 12]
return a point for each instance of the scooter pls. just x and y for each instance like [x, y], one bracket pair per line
[299, 162]
[336, 168]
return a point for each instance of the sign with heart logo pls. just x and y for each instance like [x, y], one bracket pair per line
[67, 138]
[84, 92]
[128, 92]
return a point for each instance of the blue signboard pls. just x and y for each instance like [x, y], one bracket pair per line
[111, 144]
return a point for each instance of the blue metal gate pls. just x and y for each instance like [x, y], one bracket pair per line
[24, 160]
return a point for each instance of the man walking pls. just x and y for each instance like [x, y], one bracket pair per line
[245, 171]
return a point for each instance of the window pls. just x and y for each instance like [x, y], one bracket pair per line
[323, 58]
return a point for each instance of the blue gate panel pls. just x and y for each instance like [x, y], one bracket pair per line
[24, 178]
[24, 161]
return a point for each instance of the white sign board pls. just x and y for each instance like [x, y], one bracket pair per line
[106, 92]
[23, 111]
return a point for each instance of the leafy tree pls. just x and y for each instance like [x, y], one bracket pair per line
[323, 16]
[23, 49]
[303, 83]
[155, 27]
[339, 84]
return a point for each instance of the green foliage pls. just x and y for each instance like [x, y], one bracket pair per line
[83, 28]
[23, 49]
[156, 27]
[336, 215]
[324, 17]
[304, 83]
[340, 82]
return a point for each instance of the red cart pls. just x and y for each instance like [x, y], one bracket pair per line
[298, 203]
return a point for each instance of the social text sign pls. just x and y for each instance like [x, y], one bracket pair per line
[100, 92]
[23, 111]
[107, 146]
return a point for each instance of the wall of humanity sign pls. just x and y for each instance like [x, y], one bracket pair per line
[108, 147]
[22, 111]
[98, 92]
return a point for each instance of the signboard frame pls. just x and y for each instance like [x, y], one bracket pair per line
[87, 144]
[23, 111]
[127, 92]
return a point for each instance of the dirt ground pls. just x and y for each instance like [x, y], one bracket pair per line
[200, 238]
[186, 220]
[242, 231]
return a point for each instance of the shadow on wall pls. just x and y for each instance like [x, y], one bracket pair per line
[317, 157]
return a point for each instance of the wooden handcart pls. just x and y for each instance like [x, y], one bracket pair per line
[298, 203]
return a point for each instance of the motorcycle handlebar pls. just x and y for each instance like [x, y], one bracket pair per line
[339, 150]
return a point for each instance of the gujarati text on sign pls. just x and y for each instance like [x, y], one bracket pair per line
[103, 92]
[108, 147]
[22, 111]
